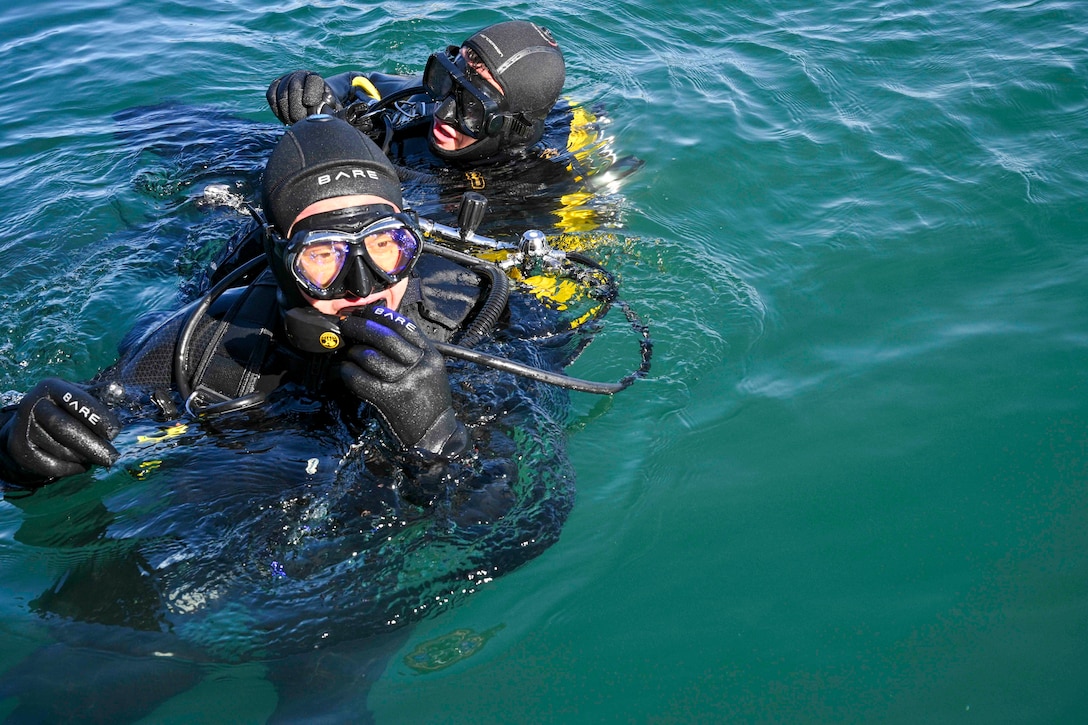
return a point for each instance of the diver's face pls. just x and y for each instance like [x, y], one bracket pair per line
[447, 137]
[389, 297]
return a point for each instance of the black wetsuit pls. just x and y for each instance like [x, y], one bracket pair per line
[301, 513]
[526, 187]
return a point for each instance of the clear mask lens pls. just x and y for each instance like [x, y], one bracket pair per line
[393, 250]
[319, 264]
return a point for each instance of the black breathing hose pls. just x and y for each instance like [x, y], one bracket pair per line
[527, 371]
[496, 303]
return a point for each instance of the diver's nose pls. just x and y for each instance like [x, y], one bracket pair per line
[359, 282]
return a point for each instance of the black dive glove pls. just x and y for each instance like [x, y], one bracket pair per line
[301, 93]
[58, 429]
[395, 368]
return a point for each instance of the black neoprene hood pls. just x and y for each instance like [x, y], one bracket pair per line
[318, 158]
[526, 61]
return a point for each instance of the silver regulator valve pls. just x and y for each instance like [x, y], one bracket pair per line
[532, 249]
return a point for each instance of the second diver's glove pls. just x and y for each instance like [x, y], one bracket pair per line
[58, 429]
[394, 367]
[298, 94]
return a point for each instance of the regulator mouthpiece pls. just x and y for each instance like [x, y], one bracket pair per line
[312, 331]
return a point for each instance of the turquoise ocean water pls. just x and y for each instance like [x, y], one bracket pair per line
[854, 487]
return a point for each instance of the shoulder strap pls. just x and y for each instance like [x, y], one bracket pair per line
[232, 362]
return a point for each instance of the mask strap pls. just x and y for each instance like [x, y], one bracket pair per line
[351, 219]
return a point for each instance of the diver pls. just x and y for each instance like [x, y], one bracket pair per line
[482, 102]
[485, 116]
[346, 273]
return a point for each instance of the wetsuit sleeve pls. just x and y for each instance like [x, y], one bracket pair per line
[341, 85]
[345, 89]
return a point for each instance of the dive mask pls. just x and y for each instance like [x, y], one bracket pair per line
[330, 264]
[478, 106]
